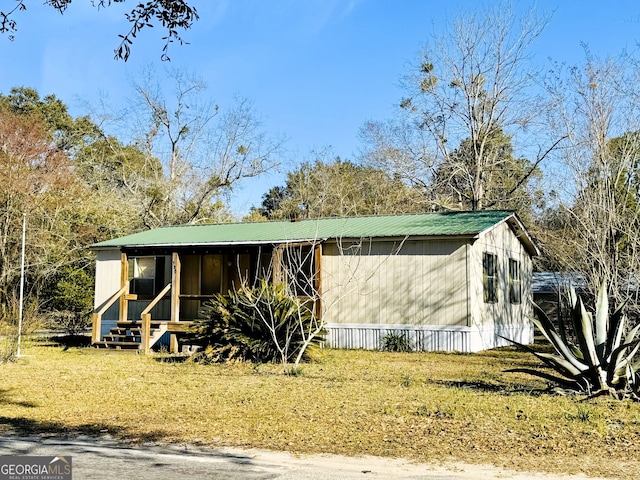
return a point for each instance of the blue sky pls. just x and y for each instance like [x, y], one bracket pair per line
[315, 69]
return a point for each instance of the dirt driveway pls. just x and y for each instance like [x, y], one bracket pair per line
[104, 458]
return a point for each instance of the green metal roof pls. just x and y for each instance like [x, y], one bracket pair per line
[428, 224]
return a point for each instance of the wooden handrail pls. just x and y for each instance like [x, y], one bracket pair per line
[97, 315]
[145, 316]
[113, 299]
[155, 301]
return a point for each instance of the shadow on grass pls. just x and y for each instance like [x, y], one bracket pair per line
[480, 386]
[171, 358]
[5, 393]
[26, 427]
[109, 437]
[67, 341]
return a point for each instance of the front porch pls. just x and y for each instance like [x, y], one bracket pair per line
[161, 291]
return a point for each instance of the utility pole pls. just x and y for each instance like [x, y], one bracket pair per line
[24, 232]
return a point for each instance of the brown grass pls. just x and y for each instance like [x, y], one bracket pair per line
[423, 406]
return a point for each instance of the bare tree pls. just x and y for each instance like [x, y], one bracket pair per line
[293, 267]
[472, 90]
[597, 111]
[399, 148]
[204, 150]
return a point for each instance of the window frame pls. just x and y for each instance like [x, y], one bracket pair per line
[515, 281]
[145, 286]
[490, 277]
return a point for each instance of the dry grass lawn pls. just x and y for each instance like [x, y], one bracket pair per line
[422, 406]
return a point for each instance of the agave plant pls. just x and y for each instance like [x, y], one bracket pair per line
[601, 360]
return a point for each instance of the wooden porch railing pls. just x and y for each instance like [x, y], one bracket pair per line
[146, 319]
[97, 316]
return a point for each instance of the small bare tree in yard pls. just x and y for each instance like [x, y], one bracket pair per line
[295, 268]
[273, 319]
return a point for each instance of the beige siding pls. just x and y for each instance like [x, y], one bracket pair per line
[501, 242]
[425, 282]
[107, 276]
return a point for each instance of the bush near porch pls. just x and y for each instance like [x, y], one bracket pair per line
[424, 406]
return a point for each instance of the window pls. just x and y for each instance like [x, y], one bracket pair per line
[144, 274]
[515, 284]
[490, 276]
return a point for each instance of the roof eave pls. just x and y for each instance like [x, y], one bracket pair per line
[126, 246]
[520, 231]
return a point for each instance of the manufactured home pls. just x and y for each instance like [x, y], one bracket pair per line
[455, 281]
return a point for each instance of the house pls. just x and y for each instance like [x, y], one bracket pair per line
[454, 281]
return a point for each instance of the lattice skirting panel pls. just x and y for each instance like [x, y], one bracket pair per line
[429, 337]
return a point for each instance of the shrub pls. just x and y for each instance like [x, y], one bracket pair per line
[71, 323]
[9, 324]
[71, 301]
[395, 342]
[8, 348]
[259, 324]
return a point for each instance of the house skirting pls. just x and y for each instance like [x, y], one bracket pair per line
[428, 337]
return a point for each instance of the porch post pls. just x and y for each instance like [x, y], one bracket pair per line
[317, 287]
[124, 279]
[276, 258]
[175, 286]
[146, 328]
[96, 327]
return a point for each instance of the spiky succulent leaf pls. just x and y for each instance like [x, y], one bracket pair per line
[573, 296]
[636, 375]
[548, 330]
[627, 360]
[601, 320]
[541, 317]
[632, 378]
[560, 364]
[583, 325]
[577, 353]
[617, 322]
[563, 382]
[620, 360]
[632, 334]
[556, 362]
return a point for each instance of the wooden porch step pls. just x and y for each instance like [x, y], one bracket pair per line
[114, 337]
[124, 337]
[118, 345]
[125, 331]
[127, 335]
[131, 334]
[129, 324]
